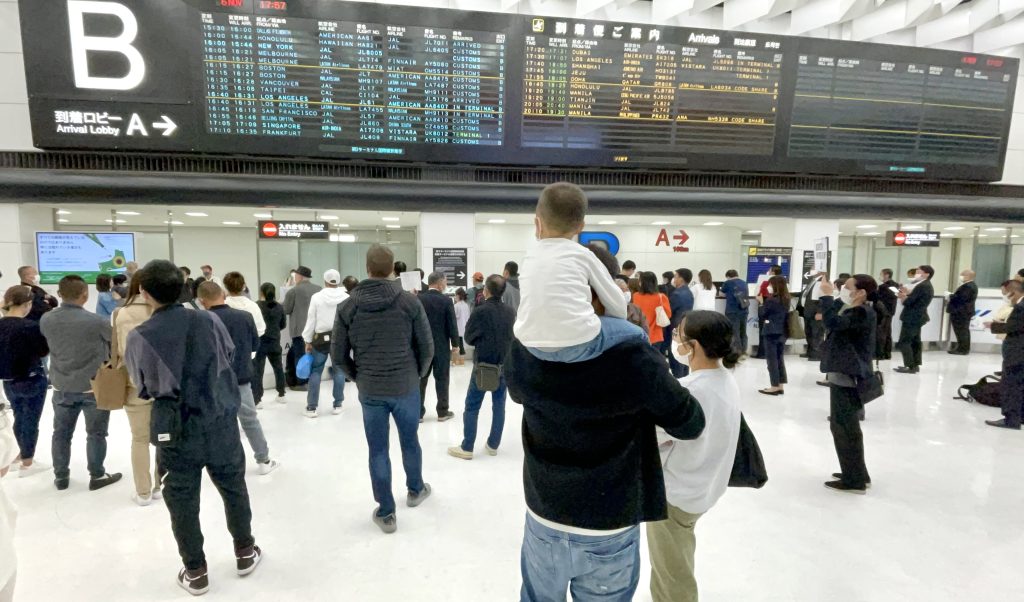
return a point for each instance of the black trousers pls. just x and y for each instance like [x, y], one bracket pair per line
[441, 369]
[847, 436]
[910, 346]
[775, 350]
[1013, 393]
[962, 332]
[295, 353]
[259, 364]
[815, 331]
[218, 449]
[885, 339]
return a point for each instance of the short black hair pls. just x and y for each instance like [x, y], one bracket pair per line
[512, 268]
[887, 272]
[622, 277]
[161, 280]
[732, 274]
[185, 269]
[866, 283]
[72, 287]
[120, 279]
[628, 265]
[103, 283]
[927, 269]
[495, 285]
[350, 283]
[563, 207]
[400, 267]
[686, 274]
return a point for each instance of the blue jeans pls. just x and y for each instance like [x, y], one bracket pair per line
[739, 331]
[474, 399]
[592, 568]
[66, 408]
[613, 332]
[316, 375]
[377, 412]
[27, 397]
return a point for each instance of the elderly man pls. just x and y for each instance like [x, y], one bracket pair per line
[961, 310]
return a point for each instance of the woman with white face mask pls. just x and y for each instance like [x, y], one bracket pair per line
[849, 350]
[696, 471]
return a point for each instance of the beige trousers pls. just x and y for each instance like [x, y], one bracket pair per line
[139, 412]
[673, 544]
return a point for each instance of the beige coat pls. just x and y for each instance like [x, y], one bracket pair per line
[125, 320]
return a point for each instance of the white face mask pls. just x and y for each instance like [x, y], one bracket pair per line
[846, 296]
[918, 277]
[682, 359]
[36, 279]
[628, 296]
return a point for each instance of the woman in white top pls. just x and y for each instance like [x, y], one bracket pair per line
[696, 472]
[8, 513]
[234, 284]
[704, 293]
[462, 312]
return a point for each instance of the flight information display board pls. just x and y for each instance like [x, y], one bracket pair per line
[357, 80]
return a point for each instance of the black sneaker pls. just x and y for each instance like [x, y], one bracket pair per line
[247, 559]
[61, 484]
[839, 486]
[387, 524]
[839, 475]
[996, 423]
[195, 582]
[905, 370]
[446, 416]
[101, 482]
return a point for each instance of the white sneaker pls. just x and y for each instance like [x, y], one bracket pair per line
[158, 494]
[337, 411]
[14, 466]
[259, 406]
[310, 414]
[142, 500]
[269, 467]
[281, 399]
[36, 468]
[490, 450]
[458, 452]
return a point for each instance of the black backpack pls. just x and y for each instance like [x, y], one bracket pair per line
[987, 392]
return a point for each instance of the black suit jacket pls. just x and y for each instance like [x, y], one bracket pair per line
[915, 307]
[850, 346]
[42, 302]
[962, 302]
[441, 315]
[888, 297]
[1013, 345]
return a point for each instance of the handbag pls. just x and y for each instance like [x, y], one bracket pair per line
[111, 385]
[795, 326]
[872, 387]
[660, 315]
[748, 469]
[304, 367]
[487, 376]
[322, 342]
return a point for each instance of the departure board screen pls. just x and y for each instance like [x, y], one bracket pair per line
[366, 81]
[652, 95]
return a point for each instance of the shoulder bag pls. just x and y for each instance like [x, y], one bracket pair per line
[487, 376]
[660, 315]
[795, 325]
[872, 387]
[322, 342]
[748, 469]
[111, 384]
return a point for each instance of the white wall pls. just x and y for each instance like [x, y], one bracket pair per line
[226, 249]
[715, 249]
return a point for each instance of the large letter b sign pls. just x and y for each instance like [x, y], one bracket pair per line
[604, 239]
[82, 45]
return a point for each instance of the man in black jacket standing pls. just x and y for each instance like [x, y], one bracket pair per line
[914, 317]
[961, 311]
[1013, 357]
[592, 471]
[887, 295]
[489, 330]
[445, 333]
[382, 341]
[42, 301]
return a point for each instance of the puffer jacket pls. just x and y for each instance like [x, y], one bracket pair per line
[382, 339]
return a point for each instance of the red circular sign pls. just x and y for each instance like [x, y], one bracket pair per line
[270, 229]
[900, 238]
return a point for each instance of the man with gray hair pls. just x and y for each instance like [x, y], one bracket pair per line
[441, 314]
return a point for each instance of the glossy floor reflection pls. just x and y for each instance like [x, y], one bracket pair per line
[943, 521]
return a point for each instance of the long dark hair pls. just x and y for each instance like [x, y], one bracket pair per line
[778, 284]
[648, 283]
[269, 292]
[706, 281]
[714, 333]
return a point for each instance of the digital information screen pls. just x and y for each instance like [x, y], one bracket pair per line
[355, 80]
[87, 254]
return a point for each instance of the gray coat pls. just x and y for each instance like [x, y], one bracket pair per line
[296, 306]
[79, 343]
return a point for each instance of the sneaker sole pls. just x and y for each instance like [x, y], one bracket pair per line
[414, 502]
[249, 571]
[853, 491]
[384, 528]
[195, 592]
[491, 452]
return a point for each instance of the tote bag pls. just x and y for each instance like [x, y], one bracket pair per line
[111, 385]
[748, 469]
[660, 315]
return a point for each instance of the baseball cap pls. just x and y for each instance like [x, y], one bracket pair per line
[478, 276]
[303, 271]
[332, 277]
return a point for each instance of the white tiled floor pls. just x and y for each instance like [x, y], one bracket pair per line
[942, 523]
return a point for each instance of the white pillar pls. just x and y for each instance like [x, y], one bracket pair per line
[447, 230]
[10, 246]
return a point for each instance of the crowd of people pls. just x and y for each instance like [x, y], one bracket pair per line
[603, 455]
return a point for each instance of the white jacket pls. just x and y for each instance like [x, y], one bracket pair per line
[555, 310]
[323, 307]
[247, 304]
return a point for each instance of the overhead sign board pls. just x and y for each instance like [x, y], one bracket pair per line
[914, 239]
[292, 230]
[454, 264]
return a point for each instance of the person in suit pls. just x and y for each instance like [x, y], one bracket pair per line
[961, 310]
[886, 295]
[445, 331]
[762, 293]
[774, 314]
[914, 317]
[1013, 357]
[849, 350]
[810, 308]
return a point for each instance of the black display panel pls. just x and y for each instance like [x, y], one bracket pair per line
[349, 80]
